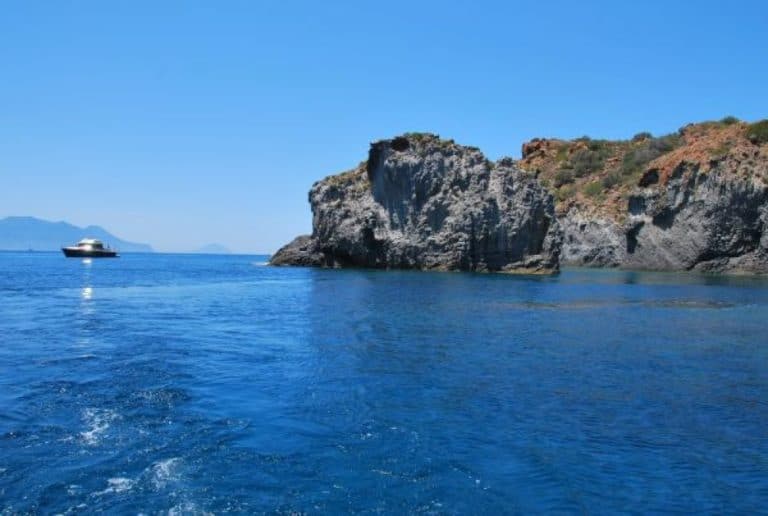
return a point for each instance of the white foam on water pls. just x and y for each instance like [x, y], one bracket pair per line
[186, 508]
[97, 421]
[72, 510]
[165, 471]
[117, 485]
[259, 264]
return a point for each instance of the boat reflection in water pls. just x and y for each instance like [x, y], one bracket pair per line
[89, 248]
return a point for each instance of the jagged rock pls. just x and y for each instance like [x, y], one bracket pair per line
[420, 202]
[702, 221]
[707, 222]
[692, 200]
[592, 241]
[300, 251]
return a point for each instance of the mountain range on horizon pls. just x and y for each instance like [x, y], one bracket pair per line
[30, 233]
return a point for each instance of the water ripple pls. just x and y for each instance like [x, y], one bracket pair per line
[204, 384]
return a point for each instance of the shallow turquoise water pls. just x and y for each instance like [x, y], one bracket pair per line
[178, 383]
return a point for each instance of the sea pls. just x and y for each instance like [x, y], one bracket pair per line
[204, 384]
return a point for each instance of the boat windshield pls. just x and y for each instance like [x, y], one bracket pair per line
[90, 243]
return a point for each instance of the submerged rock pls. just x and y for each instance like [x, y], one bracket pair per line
[420, 202]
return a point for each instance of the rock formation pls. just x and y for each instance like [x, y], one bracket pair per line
[693, 200]
[420, 202]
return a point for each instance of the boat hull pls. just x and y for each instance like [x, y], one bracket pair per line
[71, 252]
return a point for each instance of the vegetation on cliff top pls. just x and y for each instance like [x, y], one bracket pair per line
[601, 173]
[757, 133]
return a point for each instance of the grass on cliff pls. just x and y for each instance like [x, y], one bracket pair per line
[584, 161]
[565, 192]
[729, 120]
[350, 177]
[647, 150]
[593, 190]
[602, 170]
[596, 167]
[757, 133]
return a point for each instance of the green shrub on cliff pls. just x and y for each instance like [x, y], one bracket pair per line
[666, 143]
[635, 160]
[610, 180]
[588, 161]
[563, 177]
[593, 189]
[597, 145]
[565, 192]
[648, 150]
[582, 160]
[757, 133]
[419, 136]
[645, 135]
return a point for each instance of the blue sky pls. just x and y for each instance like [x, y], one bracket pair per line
[185, 123]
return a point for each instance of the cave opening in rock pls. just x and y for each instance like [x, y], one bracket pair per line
[651, 177]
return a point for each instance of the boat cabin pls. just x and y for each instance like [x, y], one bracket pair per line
[90, 244]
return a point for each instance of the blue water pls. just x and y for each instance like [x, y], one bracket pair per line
[191, 384]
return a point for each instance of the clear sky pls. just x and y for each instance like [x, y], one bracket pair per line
[184, 123]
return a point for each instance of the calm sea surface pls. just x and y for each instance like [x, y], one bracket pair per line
[191, 384]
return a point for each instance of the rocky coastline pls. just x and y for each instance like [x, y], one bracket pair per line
[419, 202]
[693, 200]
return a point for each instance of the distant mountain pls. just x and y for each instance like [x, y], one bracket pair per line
[213, 249]
[23, 233]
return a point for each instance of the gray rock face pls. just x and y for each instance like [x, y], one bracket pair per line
[711, 222]
[424, 203]
[592, 241]
[300, 251]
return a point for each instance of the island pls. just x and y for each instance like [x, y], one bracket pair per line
[695, 199]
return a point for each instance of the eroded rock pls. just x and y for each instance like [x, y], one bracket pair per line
[420, 202]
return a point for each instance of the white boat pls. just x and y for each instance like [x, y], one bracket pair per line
[89, 248]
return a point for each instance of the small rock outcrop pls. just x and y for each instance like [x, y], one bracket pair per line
[301, 251]
[420, 202]
[592, 240]
[692, 200]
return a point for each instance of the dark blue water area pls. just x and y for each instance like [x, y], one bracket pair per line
[189, 384]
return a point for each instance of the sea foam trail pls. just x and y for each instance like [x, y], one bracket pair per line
[117, 485]
[166, 471]
[98, 422]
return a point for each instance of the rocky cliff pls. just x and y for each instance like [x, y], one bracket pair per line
[696, 199]
[693, 200]
[420, 202]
